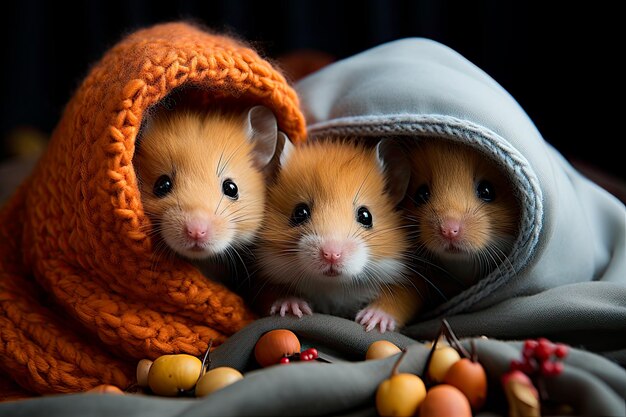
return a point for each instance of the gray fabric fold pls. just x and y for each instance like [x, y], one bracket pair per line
[589, 383]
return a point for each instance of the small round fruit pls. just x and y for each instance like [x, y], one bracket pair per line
[561, 350]
[106, 389]
[381, 349]
[171, 374]
[274, 345]
[470, 378]
[443, 358]
[215, 379]
[445, 401]
[400, 395]
[143, 368]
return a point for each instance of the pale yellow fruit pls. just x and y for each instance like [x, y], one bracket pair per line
[400, 395]
[171, 374]
[381, 349]
[443, 358]
[216, 379]
[143, 368]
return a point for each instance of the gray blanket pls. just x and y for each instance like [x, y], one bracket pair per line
[592, 385]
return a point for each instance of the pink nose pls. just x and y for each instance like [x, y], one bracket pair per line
[451, 229]
[331, 254]
[197, 230]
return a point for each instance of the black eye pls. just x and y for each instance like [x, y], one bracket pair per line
[422, 194]
[485, 191]
[230, 190]
[364, 217]
[162, 186]
[301, 213]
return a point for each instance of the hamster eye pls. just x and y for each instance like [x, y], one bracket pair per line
[230, 190]
[364, 217]
[485, 191]
[301, 213]
[162, 186]
[422, 194]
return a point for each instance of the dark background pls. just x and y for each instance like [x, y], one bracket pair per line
[558, 61]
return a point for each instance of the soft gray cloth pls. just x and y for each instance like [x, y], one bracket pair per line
[567, 279]
[589, 383]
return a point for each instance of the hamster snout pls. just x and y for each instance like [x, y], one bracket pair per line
[450, 230]
[195, 234]
[331, 255]
[454, 233]
[197, 229]
[332, 251]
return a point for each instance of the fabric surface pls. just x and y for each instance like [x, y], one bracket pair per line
[589, 383]
[567, 277]
[81, 299]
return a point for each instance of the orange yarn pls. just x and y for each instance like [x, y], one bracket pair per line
[81, 299]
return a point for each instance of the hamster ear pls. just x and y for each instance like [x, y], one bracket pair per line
[287, 148]
[262, 133]
[396, 167]
[284, 148]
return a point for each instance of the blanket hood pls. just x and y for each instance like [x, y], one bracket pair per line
[81, 297]
[568, 265]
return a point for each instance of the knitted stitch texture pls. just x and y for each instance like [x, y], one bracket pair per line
[81, 297]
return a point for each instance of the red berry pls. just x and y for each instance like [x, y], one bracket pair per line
[284, 360]
[527, 367]
[561, 350]
[529, 347]
[558, 368]
[305, 357]
[547, 368]
[313, 353]
[544, 349]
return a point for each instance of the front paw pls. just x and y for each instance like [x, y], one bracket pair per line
[371, 317]
[291, 305]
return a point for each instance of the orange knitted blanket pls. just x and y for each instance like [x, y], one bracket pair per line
[81, 299]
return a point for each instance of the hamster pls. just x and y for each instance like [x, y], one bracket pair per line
[333, 240]
[201, 177]
[466, 213]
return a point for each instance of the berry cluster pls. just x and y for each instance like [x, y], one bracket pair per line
[306, 355]
[541, 357]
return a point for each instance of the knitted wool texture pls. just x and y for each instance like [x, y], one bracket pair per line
[81, 297]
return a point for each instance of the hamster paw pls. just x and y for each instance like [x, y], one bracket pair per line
[370, 317]
[296, 306]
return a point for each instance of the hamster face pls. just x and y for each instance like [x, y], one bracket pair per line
[463, 204]
[330, 223]
[198, 183]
